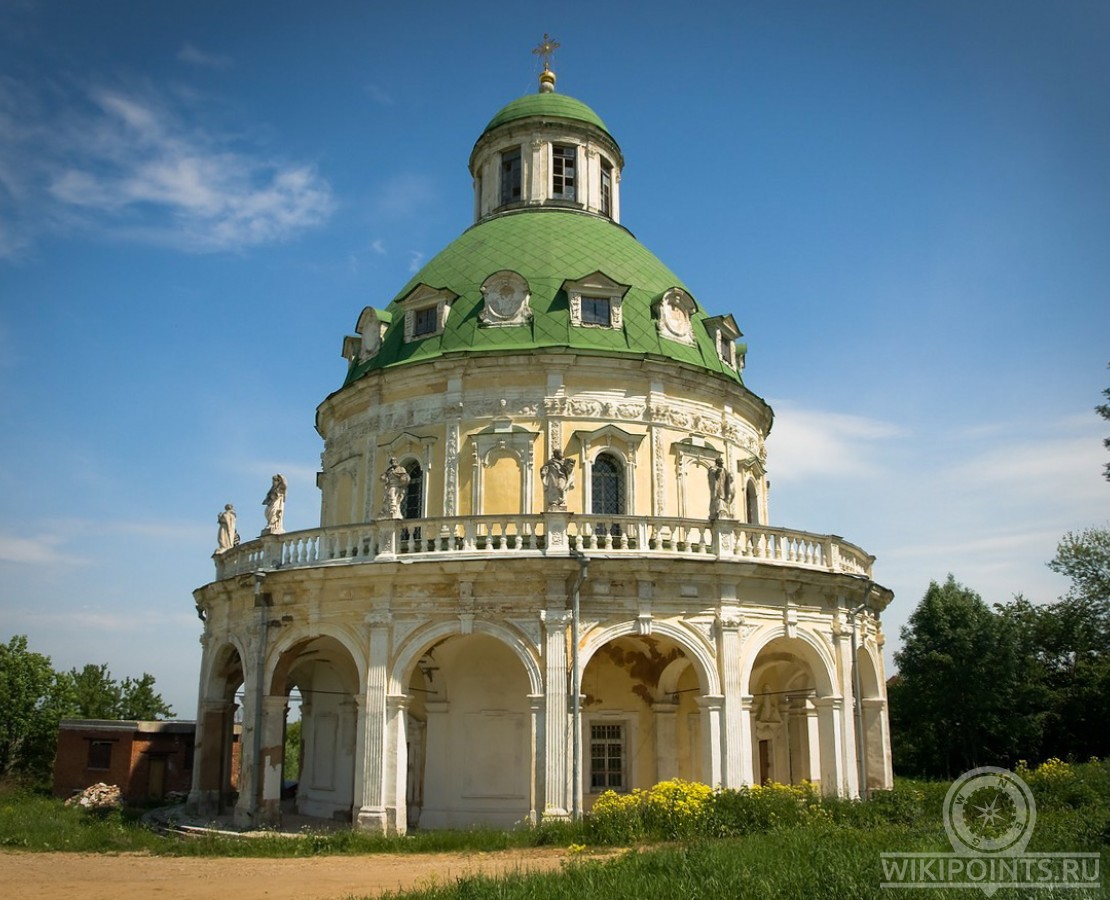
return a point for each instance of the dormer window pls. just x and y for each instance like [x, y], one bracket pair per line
[423, 321]
[595, 311]
[564, 167]
[595, 301]
[724, 333]
[425, 309]
[510, 176]
[606, 188]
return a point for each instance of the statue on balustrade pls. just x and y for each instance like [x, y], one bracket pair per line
[275, 506]
[227, 537]
[396, 479]
[722, 491]
[557, 476]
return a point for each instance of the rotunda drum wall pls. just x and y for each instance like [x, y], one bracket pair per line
[482, 431]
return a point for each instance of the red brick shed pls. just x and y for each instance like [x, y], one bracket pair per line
[147, 760]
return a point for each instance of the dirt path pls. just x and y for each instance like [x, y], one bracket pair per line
[53, 876]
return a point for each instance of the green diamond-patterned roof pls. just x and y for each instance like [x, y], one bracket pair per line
[547, 247]
[548, 105]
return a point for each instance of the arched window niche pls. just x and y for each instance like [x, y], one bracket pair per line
[607, 458]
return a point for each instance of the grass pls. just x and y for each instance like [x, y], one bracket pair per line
[770, 842]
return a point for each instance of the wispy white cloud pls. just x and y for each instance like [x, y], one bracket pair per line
[193, 55]
[808, 443]
[379, 95]
[377, 246]
[33, 550]
[416, 259]
[135, 164]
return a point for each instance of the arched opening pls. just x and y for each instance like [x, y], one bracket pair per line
[326, 676]
[607, 486]
[216, 757]
[751, 503]
[413, 505]
[791, 726]
[641, 720]
[468, 736]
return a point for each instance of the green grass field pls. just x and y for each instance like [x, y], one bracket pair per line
[689, 842]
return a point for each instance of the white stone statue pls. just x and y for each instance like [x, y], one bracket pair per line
[557, 476]
[275, 506]
[722, 491]
[396, 478]
[227, 537]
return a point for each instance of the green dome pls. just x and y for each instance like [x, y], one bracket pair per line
[547, 247]
[550, 105]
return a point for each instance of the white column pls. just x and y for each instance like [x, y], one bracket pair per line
[538, 755]
[846, 667]
[711, 707]
[273, 755]
[813, 744]
[371, 814]
[556, 720]
[396, 807]
[830, 721]
[737, 768]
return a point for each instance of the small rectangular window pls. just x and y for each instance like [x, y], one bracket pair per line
[607, 757]
[510, 176]
[424, 321]
[595, 311]
[100, 755]
[564, 159]
[606, 188]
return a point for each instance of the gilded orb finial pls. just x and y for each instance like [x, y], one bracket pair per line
[545, 51]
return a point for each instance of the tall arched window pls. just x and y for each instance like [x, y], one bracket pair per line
[607, 486]
[751, 502]
[413, 505]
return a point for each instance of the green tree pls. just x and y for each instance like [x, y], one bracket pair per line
[291, 770]
[139, 700]
[1075, 647]
[955, 704]
[99, 696]
[33, 699]
[96, 694]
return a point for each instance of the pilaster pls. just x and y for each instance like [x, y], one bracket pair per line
[371, 814]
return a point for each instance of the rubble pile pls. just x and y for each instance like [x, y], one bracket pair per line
[96, 797]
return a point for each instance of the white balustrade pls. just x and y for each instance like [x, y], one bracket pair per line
[387, 539]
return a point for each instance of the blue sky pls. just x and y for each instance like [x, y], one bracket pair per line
[906, 206]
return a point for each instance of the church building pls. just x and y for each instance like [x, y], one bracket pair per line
[546, 565]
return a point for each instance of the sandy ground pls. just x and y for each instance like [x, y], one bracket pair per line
[136, 877]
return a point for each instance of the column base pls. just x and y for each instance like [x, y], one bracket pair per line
[374, 820]
[555, 814]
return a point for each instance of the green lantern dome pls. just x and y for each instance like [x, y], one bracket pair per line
[547, 266]
[548, 106]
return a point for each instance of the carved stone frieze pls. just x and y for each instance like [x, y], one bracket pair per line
[577, 406]
[451, 470]
[658, 460]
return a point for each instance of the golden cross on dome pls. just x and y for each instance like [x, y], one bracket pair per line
[546, 49]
